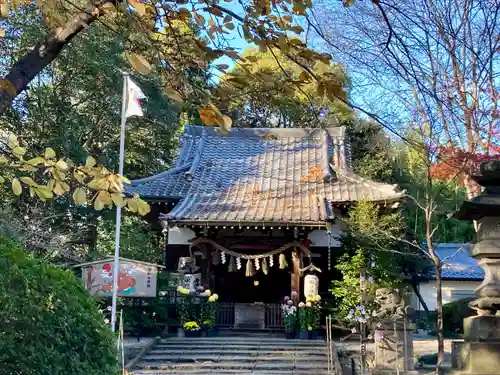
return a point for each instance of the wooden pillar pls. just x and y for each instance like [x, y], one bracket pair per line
[295, 282]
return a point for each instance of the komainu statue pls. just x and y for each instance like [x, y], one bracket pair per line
[391, 305]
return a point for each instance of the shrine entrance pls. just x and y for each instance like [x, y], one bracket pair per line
[236, 287]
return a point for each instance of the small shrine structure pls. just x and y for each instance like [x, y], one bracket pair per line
[481, 349]
[257, 210]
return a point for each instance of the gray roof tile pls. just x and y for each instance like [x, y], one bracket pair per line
[260, 175]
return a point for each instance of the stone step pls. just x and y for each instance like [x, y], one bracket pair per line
[236, 365]
[238, 351]
[241, 339]
[228, 372]
[243, 357]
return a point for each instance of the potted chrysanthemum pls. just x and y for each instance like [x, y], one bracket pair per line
[208, 314]
[314, 313]
[304, 318]
[191, 329]
[290, 317]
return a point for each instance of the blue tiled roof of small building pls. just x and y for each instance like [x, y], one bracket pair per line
[260, 175]
[457, 262]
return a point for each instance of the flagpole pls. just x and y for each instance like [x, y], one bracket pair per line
[116, 267]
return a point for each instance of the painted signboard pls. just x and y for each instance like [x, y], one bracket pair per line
[136, 279]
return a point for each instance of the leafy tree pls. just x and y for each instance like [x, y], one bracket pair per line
[278, 93]
[49, 322]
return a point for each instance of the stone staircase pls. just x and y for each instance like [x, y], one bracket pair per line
[235, 355]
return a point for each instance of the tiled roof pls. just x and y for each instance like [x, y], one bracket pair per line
[457, 262]
[261, 175]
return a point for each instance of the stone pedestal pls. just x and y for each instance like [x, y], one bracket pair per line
[481, 347]
[393, 348]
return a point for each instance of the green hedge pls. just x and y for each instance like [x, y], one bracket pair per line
[454, 314]
[49, 325]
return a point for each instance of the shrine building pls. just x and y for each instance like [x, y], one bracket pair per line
[253, 212]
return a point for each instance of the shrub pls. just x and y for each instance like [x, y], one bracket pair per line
[454, 314]
[50, 325]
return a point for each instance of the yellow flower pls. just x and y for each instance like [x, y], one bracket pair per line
[309, 299]
[309, 328]
[308, 304]
[182, 290]
[213, 298]
[208, 293]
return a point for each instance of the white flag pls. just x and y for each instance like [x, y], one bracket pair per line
[134, 95]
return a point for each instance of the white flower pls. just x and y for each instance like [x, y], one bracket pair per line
[106, 321]
[353, 330]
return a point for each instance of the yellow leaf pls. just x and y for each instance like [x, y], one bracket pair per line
[105, 197]
[208, 116]
[4, 8]
[142, 207]
[132, 204]
[44, 191]
[16, 187]
[117, 199]
[79, 196]
[96, 184]
[2, 32]
[98, 204]
[303, 77]
[58, 188]
[138, 62]
[32, 191]
[36, 161]
[50, 153]
[61, 165]
[90, 162]
[125, 179]
[174, 95]
[78, 177]
[226, 123]
[19, 151]
[28, 181]
[3, 160]
[140, 8]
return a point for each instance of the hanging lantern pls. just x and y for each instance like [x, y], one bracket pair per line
[223, 257]
[265, 267]
[271, 261]
[238, 263]
[283, 262]
[257, 264]
[232, 265]
[311, 285]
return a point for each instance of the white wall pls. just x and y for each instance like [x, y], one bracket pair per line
[319, 238]
[452, 290]
[180, 236]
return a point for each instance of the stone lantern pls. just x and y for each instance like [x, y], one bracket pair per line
[481, 351]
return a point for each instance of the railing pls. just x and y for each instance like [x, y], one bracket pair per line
[225, 315]
[334, 366]
[274, 316]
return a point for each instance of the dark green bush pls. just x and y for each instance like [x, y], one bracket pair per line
[454, 314]
[49, 324]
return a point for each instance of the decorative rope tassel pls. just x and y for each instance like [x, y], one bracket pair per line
[223, 257]
[283, 262]
[238, 263]
[215, 258]
[249, 271]
[265, 267]
[257, 264]
[232, 265]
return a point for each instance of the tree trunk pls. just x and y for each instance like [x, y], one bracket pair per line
[439, 319]
[414, 285]
[43, 53]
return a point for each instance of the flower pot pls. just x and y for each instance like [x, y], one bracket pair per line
[313, 335]
[212, 332]
[290, 335]
[304, 335]
[192, 333]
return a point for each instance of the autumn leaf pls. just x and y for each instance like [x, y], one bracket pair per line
[138, 62]
[2, 32]
[90, 162]
[98, 204]
[43, 192]
[174, 95]
[28, 181]
[17, 189]
[62, 165]
[118, 199]
[79, 196]
[7, 86]
[49, 153]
